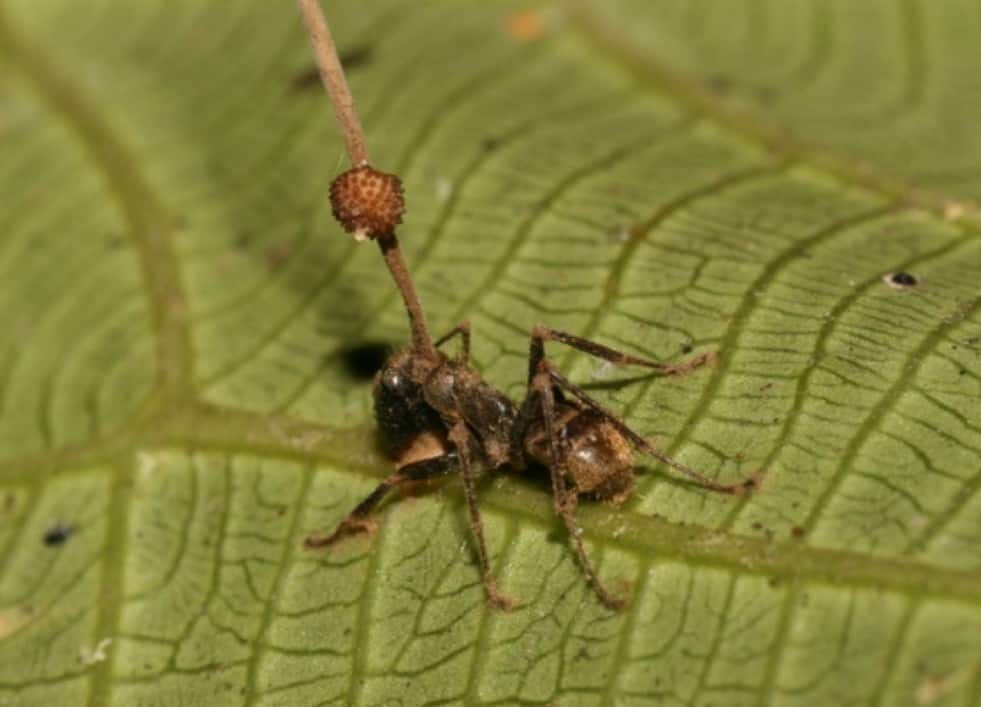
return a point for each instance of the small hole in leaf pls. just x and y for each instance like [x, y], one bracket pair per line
[901, 280]
[57, 534]
[363, 360]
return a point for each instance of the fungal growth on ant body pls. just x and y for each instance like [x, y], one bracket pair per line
[437, 416]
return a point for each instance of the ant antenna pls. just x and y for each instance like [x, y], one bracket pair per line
[367, 203]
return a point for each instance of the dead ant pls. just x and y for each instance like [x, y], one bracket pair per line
[437, 416]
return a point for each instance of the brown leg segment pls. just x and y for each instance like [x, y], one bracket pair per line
[463, 331]
[619, 358]
[359, 521]
[565, 497]
[460, 437]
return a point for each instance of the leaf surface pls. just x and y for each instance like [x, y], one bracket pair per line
[183, 395]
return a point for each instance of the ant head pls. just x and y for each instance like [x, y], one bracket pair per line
[366, 202]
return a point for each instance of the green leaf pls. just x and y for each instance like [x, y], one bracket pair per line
[179, 407]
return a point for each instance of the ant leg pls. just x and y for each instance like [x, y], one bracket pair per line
[618, 358]
[565, 497]
[737, 489]
[460, 437]
[530, 408]
[358, 520]
[463, 331]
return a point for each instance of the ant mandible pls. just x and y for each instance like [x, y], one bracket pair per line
[437, 416]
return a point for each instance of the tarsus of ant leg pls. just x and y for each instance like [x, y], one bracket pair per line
[421, 340]
[358, 519]
[645, 446]
[332, 75]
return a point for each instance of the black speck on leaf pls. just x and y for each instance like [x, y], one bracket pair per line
[57, 534]
[901, 280]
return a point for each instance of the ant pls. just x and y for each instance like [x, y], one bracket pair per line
[436, 414]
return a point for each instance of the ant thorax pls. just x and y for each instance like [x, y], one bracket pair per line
[413, 399]
[456, 390]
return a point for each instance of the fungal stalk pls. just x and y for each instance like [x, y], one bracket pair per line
[366, 202]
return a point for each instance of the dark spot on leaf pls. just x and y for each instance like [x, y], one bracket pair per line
[308, 79]
[774, 581]
[57, 535]
[766, 94]
[363, 360]
[490, 143]
[687, 348]
[277, 254]
[357, 57]
[901, 280]
[757, 525]
[243, 240]
[797, 532]
[720, 84]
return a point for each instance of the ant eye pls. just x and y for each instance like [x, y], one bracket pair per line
[366, 202]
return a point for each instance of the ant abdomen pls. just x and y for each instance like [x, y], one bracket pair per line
[598, 458]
